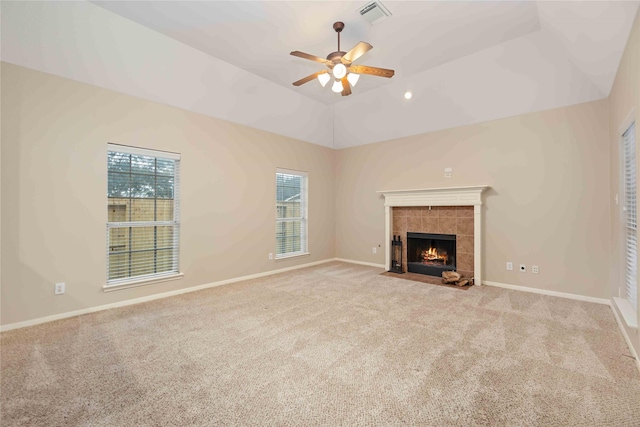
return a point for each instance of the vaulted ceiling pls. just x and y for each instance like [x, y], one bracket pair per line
[464, 61]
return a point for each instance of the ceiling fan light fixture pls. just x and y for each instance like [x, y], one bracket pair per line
[337, 86]
[353, 78]
[324, 79]
[339, 71]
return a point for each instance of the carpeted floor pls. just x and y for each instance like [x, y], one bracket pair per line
[336, 344]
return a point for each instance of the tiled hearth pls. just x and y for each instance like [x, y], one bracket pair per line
[456, 220]
[452, 210]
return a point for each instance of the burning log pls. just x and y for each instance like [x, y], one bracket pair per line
[432, 255]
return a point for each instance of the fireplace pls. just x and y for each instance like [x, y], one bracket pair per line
[431, 254]
[450, 210]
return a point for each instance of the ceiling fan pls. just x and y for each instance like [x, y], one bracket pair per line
[341, 66]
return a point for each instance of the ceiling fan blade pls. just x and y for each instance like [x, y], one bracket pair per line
[309, 78]
[357, 51]
[374, 71]
[346, 88]
[309, 57]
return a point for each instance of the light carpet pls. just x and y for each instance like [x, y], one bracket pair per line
[336, 344]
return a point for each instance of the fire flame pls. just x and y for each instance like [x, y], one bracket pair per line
[433, 255]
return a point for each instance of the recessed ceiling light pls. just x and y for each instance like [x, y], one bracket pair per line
[408, 95]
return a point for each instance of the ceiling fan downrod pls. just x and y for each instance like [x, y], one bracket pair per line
[338, 26]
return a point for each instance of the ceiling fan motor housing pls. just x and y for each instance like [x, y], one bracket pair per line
[335, 57]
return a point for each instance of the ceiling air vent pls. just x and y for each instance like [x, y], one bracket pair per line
[374, 12]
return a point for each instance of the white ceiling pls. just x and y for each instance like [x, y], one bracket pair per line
[257, 36]
[465, 61]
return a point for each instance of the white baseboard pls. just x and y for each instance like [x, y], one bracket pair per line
[623, 331]
[125, 303]
[352, 261]
[546, 292]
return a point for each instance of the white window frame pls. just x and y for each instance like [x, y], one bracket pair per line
[630, 218]
[628, 261]
[303, 218]
[134, 281]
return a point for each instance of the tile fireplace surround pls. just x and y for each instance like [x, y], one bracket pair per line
[456, 205]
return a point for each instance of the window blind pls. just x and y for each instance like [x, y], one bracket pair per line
[291, 213]
[630, 215]
[143, 214]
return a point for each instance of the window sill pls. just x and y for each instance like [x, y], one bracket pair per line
[294, 255]
[629, 314]
[142, 282]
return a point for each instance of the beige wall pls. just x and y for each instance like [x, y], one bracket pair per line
[54, 205]
[548, 204]
[624, 105]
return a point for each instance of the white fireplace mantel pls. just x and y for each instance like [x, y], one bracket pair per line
[448, 196]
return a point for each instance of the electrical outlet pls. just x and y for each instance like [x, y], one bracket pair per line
[523, 268]
[375, 250]
[59, 288]
[270, 255]
[509, 265]
[534, 269]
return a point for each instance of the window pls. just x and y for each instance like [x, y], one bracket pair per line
[630, 218]
[291, 213]
[143, 215]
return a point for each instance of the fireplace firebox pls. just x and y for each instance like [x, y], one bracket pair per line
[431, 254]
